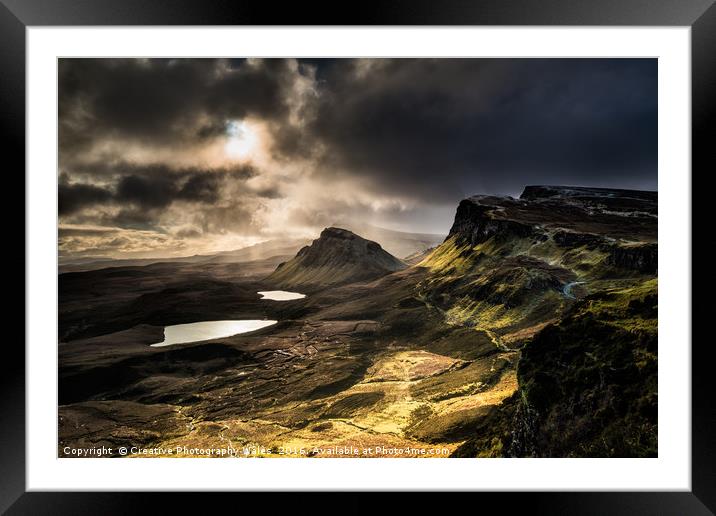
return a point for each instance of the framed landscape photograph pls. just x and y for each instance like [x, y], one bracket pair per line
[402, 255]
[278, 257]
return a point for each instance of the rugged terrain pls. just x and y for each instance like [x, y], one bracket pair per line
[530, 331]
[337, 256]
[397, 243]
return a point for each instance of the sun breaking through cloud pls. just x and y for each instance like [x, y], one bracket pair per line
[182, 156]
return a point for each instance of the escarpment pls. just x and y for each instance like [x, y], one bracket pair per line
[566, 278]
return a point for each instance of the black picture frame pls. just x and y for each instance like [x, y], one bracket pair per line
[17, 15]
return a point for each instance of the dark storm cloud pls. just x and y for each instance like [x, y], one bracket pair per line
[164, 100]
[151, 192]
[143, 190]
[132, 217]
[107, 170]
[156, 192]
[74, 197]
[454, 127]
[204, 188]
[476, 124]
[144, 143]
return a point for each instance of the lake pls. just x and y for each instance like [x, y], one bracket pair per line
[208, 330]
[280, 295]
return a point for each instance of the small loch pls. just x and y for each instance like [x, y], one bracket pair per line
[208, 330]
[280, 295]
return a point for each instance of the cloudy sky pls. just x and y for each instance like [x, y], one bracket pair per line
[174, 157]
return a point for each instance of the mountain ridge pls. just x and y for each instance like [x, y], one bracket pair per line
[567, 278]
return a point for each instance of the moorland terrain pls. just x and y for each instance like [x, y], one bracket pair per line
[530, 330]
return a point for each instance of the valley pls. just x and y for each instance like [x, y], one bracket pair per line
[529, 331]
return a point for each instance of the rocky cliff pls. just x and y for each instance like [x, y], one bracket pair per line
[567, 276]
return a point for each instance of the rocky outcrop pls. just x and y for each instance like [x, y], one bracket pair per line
[477, 220]
[572, 239]
[338, 256]
[641, 258]
[540, 192]
[573, 216]
[588, 386]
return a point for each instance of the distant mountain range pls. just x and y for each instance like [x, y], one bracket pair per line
[397, 243]
[260, 251]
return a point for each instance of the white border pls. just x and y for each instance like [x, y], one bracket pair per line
[670, 471]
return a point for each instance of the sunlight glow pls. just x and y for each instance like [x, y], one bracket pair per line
[241, 139]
